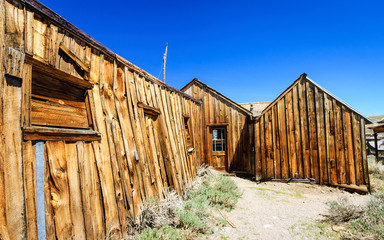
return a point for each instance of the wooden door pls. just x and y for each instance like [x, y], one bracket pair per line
[218, 148]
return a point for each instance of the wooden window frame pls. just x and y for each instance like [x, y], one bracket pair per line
[186, 121]
[224, 139]
[44, 133]
[148, 109]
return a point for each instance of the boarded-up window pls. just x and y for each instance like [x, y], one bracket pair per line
[56, 103]
[187, 132]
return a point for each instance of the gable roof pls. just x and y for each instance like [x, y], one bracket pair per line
[304, 77]
[200, 83]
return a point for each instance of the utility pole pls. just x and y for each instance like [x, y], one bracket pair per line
[164, 61]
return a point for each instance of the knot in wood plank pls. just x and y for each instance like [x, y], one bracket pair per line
[59, 173]
[54, 199]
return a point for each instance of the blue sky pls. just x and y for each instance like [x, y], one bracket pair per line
[248, 50]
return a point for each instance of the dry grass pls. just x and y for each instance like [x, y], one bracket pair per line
[192, 216]
[375, 168]
[364, 222]
[376, 175]
[156, 213]
[342, 211]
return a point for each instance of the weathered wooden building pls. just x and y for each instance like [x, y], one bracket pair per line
[225, 129]
[309, 133]
[86, 136]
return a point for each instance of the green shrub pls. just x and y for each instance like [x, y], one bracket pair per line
[220, 191]
[194, 216]
[372, 222]
[165, 232]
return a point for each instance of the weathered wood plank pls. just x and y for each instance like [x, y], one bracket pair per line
[163, 138]
[122, 100]
[269, 146]
[297, 126]
[53, 72]
[12, 150]
[283, 138]
[330, 139]
[321, 136]
[348, 146]
[74, 187]
[14, 25]
[340, 157]
[364, 153]
[103, 163]
[14, 62]
[58, 115]
[292, 152]
[304, 128]
[26, 96]
[315, 170]
[58, 180]
[357, 149]
[73, 56]
[29, 172]
[95, 216]
[138, 136]
[50, 229]
[263, 147]
[4, 232]
[276, 143]
[28, 31]
[124, 192]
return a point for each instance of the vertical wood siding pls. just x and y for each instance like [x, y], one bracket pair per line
[218, 110]
[307, 133]
[93, 189]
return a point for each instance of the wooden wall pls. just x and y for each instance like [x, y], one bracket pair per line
[307, 133]
[93, 189]
[217, 109]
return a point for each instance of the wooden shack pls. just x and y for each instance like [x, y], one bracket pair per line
[225, 129]
[86, 136]
[309, 133]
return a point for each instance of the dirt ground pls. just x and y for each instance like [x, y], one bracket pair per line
[272, 210]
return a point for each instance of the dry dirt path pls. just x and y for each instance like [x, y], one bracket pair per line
[278, 210]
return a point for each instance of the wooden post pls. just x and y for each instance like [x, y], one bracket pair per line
[165, 61]
[376, 148]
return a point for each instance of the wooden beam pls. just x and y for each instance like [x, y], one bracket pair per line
[77, 60]
[377, 128]
[59, 134]
[148, 109]
[362, 189]
[376, 148]
[44, 68]
[217, 124]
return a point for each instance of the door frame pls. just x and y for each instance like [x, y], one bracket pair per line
[210, 127]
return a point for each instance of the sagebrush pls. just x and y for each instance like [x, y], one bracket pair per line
[173, 218]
